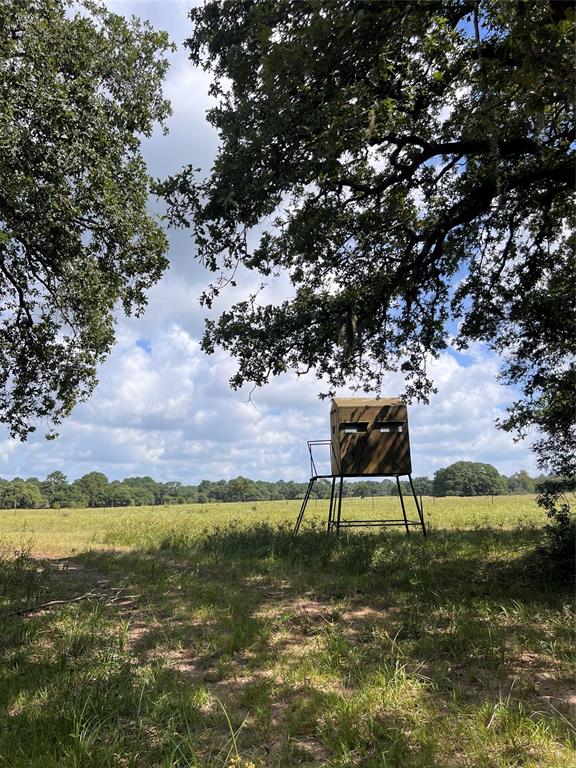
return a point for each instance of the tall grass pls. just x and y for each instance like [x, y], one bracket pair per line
[61, 531]
[232, 644]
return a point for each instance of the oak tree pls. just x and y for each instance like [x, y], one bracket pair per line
[468, 478]
[79, 87]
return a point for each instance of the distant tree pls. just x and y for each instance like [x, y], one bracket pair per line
[281, 490]
[21, 494]
[521, 482]
[322, 489]
[388, 488]
[213, 491]
[141, 496]
[119, 494]
[146, 489]
[468, 478]
[404, 487]
[241, 489]
[265, 490]
[94, 487]
[69, 496]
[170, 490]
[361, 489]
[55, 482]
[79, 88]
[423, 486]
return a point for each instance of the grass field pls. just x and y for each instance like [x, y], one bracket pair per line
[205, 636]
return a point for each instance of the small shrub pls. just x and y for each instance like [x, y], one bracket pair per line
[558, 551]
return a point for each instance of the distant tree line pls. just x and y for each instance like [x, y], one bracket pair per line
[464, 478]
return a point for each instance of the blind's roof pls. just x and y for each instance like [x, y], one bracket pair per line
[354, 402]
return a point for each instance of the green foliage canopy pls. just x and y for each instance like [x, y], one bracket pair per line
[79, 87]
[410, 166]
[468, 478]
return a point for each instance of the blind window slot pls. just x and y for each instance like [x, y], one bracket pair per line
[353, 427]
[389, 426]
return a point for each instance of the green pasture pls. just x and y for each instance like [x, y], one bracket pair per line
[62, 531]
[206, 637]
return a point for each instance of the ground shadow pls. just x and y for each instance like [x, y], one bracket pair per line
[288, 632]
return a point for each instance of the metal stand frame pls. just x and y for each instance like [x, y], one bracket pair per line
[335, 521]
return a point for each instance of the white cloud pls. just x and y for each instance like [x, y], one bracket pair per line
[169, 413]
[7, 448]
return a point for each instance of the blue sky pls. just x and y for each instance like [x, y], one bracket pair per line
[163, 408]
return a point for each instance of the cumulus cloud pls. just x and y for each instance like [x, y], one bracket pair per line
[166, 410]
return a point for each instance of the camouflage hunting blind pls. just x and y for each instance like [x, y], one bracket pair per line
[369, 437]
